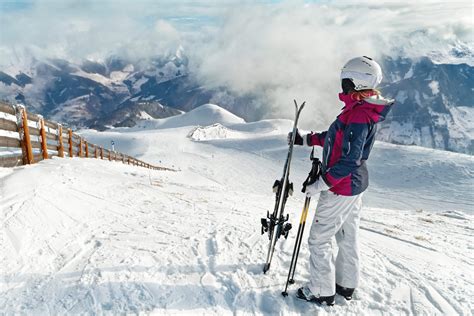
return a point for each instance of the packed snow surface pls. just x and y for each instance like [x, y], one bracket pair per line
[85, 236]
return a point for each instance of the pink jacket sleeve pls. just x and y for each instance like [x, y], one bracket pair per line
[316, 139]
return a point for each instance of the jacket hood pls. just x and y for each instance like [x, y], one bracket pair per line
[376, 106]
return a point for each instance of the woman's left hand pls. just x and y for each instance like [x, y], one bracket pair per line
[316, 187]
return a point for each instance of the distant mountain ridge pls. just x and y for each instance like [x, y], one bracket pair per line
[434, 104]
[434, 107]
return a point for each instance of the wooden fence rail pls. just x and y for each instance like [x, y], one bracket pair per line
[28, 138]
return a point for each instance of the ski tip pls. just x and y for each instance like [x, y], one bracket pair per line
[285, 294]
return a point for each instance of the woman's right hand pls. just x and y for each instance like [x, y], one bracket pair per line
[298, 139]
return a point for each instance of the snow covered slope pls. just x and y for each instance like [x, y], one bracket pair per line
[427, 112]
[89, 236]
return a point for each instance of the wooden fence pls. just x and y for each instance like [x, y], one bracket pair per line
[27, 138]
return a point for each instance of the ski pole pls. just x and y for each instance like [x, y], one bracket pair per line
[313, 176]
[296, 250]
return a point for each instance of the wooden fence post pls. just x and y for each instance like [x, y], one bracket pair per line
[96, 153]
[87, 149]
[60, 141]
[110, 156]
[71, 148]
[23, 130]
[101, 153]
[80, 147]
[44, 140]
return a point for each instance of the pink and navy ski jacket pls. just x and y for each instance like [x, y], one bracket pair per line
[347, 143]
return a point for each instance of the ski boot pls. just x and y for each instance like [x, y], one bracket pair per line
[304, 293]
[344, 291]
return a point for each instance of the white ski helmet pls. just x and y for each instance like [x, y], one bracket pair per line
[363, 71]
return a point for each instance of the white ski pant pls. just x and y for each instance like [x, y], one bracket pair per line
[336, 216]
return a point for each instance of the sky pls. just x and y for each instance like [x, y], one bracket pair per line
[78, 29]
[279, 49]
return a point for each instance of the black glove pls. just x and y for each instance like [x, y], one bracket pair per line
[298, 138]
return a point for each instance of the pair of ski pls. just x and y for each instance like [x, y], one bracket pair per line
[276, 224]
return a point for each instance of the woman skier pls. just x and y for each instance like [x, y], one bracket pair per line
[346, 147]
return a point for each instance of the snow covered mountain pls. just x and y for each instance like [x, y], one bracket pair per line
[435, 107]
[86, 236]
[93, 94]
[435, 104]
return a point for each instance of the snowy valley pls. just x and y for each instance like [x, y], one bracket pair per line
[85, 236]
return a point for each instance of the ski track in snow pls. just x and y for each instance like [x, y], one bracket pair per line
[82, 236]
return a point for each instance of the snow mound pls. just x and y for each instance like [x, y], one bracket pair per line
[214, 131]
[203, 115]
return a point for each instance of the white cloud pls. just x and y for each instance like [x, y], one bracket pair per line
[83, 29]
[166, 30]
[296, 50]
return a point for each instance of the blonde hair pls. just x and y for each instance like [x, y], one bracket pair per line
[363, 94]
